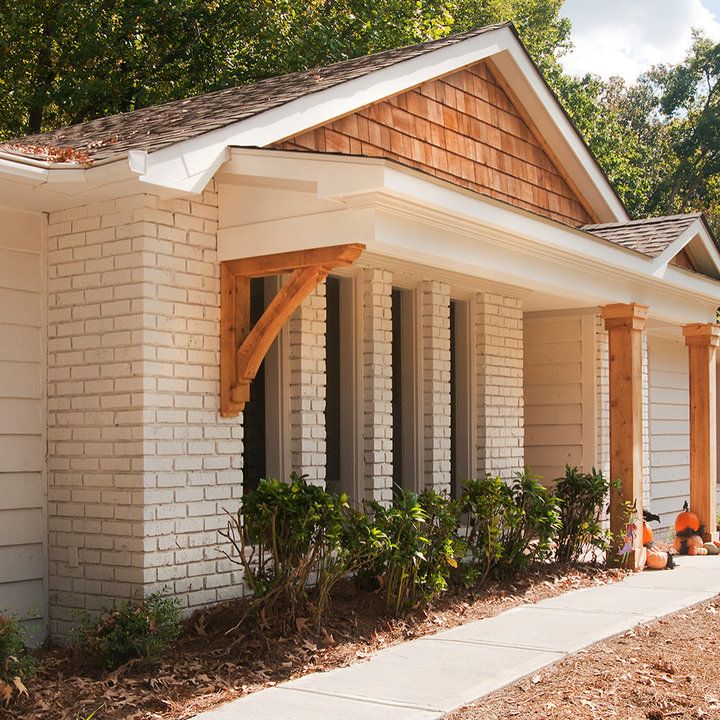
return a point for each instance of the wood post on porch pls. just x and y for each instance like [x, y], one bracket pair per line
[702, 340]
[625, 324]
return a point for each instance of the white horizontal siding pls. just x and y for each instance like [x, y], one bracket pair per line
[669, 428]
[22, 418]
[558, 418]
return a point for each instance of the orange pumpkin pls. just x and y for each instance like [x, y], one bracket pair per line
[647, 534]
[687, 520]
[696, 541]
[656, 559]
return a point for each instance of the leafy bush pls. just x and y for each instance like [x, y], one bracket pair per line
[420, 546]
[507, 526]
[16, 664]
[133, 630]
[295, 541]
[582, 497]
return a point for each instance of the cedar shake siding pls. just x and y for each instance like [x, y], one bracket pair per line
[463, 128]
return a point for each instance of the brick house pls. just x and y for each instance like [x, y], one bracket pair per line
[406, 268]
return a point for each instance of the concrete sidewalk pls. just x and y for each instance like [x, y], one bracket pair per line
[430, 676]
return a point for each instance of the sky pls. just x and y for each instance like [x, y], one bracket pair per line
[627, 37]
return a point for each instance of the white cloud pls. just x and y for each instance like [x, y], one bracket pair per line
[627, 37]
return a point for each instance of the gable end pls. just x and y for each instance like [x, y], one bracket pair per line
[463, 128]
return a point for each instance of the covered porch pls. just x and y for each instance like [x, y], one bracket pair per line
[467, 337]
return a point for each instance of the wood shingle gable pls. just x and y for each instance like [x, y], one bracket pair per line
[463, 128]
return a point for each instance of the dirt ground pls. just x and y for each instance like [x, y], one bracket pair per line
[669, 670]
[207, 667]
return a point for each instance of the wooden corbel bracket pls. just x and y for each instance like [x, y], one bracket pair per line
[243, 348]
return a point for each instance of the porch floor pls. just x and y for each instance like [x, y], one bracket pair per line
[428, 677]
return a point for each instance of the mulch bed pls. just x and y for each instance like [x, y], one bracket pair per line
[667, 670]
[207, 667]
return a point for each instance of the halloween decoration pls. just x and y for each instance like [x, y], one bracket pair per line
[658, 559]
[712, 548]
[686, 520]
[688, 533]
[655, 559]
[647, 534]
[650, 517]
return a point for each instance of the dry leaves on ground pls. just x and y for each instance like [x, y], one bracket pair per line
[206, 667]
[668, 670]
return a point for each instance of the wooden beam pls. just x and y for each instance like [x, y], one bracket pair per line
[625, 324]
[279, 263]
[702, 340]
[242, 349]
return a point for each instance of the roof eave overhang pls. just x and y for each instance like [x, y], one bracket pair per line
[188, 166]
[366, 186]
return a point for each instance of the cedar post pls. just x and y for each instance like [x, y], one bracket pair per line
[625, 324]
[701, 340]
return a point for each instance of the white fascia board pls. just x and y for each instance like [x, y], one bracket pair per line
[403, 213]
[519, 228]
[189, 165]
[313, 230]
[703, 250]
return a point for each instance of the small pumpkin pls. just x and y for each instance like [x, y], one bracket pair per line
[656, 559]
[647, 534]
[696, 541]
[712, 548]
[686, 521]
[701, 551]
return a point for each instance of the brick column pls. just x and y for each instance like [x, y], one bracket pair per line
[377, 383]
[140, 465]
[308, 381]
[499, 338]
[435, 299]
[625, 325]
[702, 341]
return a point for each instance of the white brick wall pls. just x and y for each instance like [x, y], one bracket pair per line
[435, 299]
[140, 463]
[602, 461]
[377, 383]
[307, 387]
[499, 334]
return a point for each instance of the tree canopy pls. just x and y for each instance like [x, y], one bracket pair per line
[64, 63]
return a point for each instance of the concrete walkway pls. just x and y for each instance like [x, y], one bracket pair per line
[430, 676]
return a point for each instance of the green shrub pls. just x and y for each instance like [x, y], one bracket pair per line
[16, 665]
[419, 549]
[133, 630]
[295, 541]
[582, 498]
[507, 527]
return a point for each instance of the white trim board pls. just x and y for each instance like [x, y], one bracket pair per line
[189, 165]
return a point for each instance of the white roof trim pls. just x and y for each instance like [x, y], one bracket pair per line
[701, 247]
[373, 184]
[188, 166]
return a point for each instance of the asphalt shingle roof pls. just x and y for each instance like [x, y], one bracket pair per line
[650, 236]
[159, 126]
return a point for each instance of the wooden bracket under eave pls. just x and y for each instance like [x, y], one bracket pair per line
[242, 348]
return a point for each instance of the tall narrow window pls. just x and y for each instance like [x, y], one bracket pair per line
[342, 442]
[404, 401]
[254, 449]
[461, 441]
[333, 415]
